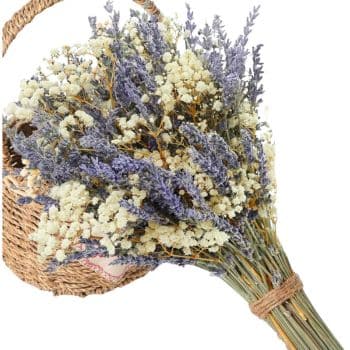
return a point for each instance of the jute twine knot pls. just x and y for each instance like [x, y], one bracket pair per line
[276, 296]
[34, 7]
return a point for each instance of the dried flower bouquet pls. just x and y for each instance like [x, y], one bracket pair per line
[149, 141]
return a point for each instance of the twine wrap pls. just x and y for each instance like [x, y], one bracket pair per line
[276, 296]
[34, 7]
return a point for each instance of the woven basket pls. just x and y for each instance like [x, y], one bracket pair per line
[19, 252]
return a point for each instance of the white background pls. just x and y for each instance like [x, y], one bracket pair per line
[306, 57]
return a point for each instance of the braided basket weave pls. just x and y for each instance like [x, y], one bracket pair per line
[19, 252]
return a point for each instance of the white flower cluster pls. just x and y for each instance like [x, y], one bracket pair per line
[128, 127]
[134, 36]
[250, 181]
[228, 206]
[112, 222]
[185, 80]
[59, 230]
[182, 236]
[269, 150]
[170, 30]
[79, 118]
[30, 95]
[247, 118]
[32, 178]
[153, 156]
[97, 46]
[62, 77]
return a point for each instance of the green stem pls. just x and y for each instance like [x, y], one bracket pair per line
[296, 321]
[300, 327]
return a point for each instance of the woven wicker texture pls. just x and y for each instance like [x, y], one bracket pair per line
[20, 255]
[21, 18]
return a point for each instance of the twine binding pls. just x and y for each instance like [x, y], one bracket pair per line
[34, 7]
[276, 296]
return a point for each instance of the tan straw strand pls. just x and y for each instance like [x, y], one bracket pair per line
[29, 11]
[150, 7]
[21, 18]
[276, 297]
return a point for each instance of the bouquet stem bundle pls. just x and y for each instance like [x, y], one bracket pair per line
[296, 321]
[291, 314]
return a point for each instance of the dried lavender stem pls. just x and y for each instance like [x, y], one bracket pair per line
[312, 333]
[296, 321]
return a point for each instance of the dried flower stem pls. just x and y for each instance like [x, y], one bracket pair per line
[296, 321]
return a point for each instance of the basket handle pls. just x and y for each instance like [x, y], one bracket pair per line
[34, 7]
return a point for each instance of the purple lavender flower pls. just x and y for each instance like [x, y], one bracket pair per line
[92, 249]
[145, 213]
[263, 173]
[124, 165]
[220, 33]
[109, 6]
[131, 76]
[206, 38]
[220, 146]
[184, 180]
[190, 27]
[24, 200]
[255, 88]
[100, 169]
[93, 22]
[157, 183]
[115, 22]
[152, 38]
[212, 154]
[99, 143]
[46, 201]
[215, 66]
[137, 260]
[194, 136]
[214, 167]
[229, 77]
[247, 143]
[150, 261]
